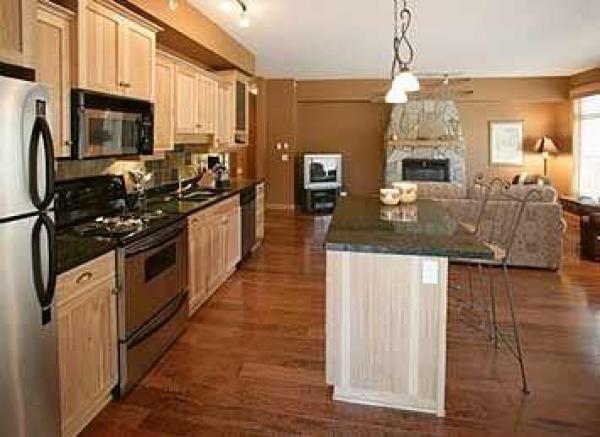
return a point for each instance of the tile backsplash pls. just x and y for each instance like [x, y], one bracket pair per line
[174, 166]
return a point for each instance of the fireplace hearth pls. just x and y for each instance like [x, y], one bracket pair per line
[426, 170]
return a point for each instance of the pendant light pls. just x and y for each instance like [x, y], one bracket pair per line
[403, 80]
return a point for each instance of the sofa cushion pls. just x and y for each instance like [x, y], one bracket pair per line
[548, 194]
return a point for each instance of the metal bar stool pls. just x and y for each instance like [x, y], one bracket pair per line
[496, 225]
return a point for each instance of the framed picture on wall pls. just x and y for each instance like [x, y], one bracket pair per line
[506, 142]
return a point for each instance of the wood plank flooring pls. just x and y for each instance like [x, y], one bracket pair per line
[251, 361]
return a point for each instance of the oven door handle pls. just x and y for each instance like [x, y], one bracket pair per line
[165, 316]
[152, 243]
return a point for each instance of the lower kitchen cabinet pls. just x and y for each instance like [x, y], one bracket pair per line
[198, 256]
[260, 212]
[87, 341]
[215, 248]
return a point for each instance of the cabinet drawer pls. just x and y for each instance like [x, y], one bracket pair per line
[74, 282]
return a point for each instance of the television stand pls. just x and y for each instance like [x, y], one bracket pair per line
[320, 200]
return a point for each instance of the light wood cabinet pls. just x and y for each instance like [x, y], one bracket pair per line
[198, 235]
[232, 238]
[164, 107]
[53, 50]
[186, 84]
[260, 211]
[216, 254]
[226, 114]
[87, 341]
[234, 109]
[196, 100]
[116, 50]
[215, 248]
[209, 104]
[137, 60]
[17, 31]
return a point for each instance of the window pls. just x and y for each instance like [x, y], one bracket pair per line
[587, 146]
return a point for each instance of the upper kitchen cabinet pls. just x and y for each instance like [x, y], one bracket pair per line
[196, 101]
[236, 105]
[186, 92]
[117, 50]
[225, 115]
[164, 106]
[17, 45]
[53, 49]
[207, 100]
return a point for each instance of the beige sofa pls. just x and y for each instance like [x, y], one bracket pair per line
[538, 241]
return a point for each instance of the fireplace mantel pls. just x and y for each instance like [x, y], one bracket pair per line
[425, 143]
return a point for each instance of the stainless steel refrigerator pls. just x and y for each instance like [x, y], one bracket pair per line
[29, 398]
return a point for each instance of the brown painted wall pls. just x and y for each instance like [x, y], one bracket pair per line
[339, 116]
[280, 128]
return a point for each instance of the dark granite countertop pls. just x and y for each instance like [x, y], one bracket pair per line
[74, 250]
[427, 228]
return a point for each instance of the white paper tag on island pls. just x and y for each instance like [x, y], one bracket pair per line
[430, 272]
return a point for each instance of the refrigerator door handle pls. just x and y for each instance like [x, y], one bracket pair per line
[41, 128]
[45, 292]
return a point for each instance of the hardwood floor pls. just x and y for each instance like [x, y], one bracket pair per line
[252, 360]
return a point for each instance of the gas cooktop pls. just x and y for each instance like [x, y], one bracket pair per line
[121, 226]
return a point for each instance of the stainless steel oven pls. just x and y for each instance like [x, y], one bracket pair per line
[153, 300]
[105, 126]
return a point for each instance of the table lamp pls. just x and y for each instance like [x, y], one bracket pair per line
[545, 146]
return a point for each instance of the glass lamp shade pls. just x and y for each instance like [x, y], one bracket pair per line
[396, 96]
[407, 82]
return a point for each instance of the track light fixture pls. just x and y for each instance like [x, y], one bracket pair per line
[229, 7]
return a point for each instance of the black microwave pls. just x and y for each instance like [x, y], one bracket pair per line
[106, 126]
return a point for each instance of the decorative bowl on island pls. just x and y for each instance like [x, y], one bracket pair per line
[407, 190]
[389, 196]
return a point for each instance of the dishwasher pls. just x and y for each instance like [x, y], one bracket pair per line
[248, 205]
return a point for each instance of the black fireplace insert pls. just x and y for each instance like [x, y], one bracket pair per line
[431, 170]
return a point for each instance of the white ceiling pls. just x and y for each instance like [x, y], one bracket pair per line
[308, 39]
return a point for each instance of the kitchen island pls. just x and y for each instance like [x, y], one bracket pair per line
[387, 274]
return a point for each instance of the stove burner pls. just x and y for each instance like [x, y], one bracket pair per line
[118, 226]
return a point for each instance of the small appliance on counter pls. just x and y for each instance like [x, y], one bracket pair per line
[322, 181]
[222, 176]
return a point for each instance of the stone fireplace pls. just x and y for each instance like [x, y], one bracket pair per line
[424, 143]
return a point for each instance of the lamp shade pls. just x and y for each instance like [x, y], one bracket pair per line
[545, 145]
[396, 96]
[406, 81]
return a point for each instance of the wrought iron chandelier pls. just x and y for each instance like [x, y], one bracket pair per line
[403, 81]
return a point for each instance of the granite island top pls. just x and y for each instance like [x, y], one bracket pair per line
[425, 228]
[74, 250]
